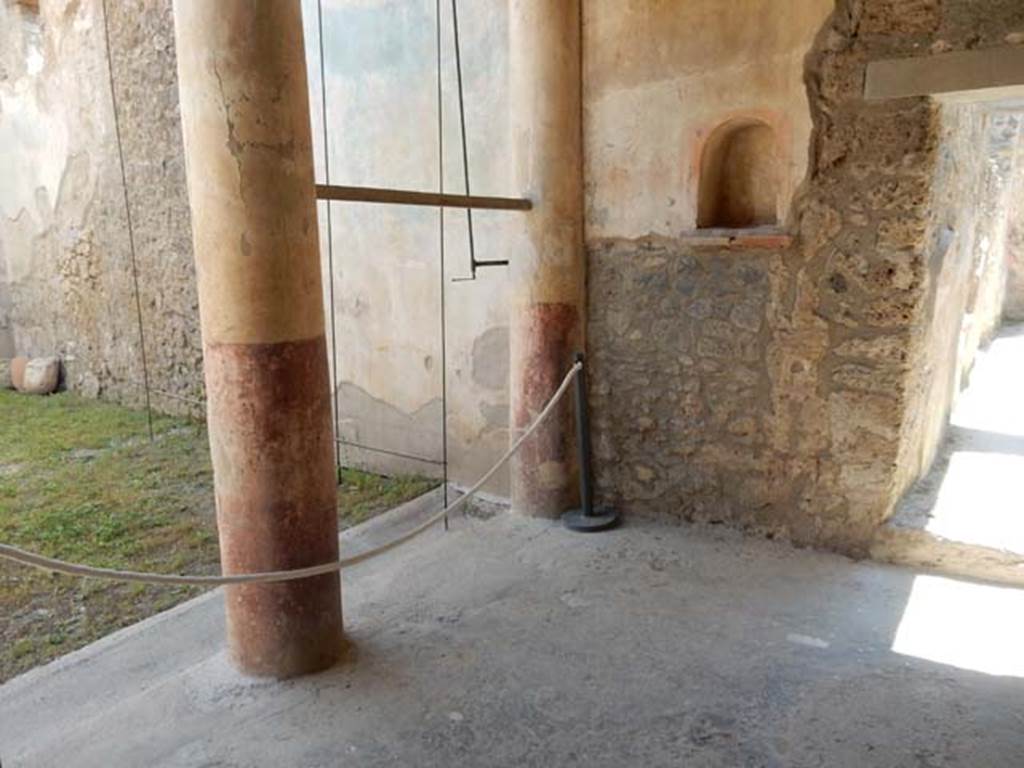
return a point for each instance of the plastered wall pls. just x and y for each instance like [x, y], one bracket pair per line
[382, 121]
[661, 76]
[65, 267]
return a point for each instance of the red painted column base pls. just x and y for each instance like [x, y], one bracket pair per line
[276, 487]
[543, 473]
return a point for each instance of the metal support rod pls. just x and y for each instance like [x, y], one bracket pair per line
[465, 141]
[583, 436]
[427, 199]
[587, 519]
[440, 220]
[462, 126]
[474, 263]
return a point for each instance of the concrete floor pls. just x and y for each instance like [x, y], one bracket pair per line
[512, 642]
[966, 516]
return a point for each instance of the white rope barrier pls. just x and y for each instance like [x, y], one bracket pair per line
[77, 569]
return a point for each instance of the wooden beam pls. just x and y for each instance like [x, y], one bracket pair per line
[430, 199]
[985, 74]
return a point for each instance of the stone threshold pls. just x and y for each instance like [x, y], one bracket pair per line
[916, 547]
[739, 239]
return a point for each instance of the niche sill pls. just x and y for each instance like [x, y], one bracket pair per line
[755, 238]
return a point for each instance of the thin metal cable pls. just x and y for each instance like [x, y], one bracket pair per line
[389, 452]
[182, 398]
[76, 569]
[330, 240]
[128, 217]
[198, 402]
[440, 214]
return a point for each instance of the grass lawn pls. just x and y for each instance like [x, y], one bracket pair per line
[80, 480]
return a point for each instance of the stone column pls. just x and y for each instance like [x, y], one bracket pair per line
[548, 272]
[248, 151]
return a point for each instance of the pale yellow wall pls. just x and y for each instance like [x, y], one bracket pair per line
[660, 75]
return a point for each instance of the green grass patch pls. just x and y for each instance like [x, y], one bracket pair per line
[80, 480]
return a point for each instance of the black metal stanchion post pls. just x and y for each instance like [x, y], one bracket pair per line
[586, 519]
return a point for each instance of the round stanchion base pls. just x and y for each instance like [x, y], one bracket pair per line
[601, 519]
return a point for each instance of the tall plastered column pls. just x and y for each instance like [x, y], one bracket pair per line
[248, 150]
[548, 272]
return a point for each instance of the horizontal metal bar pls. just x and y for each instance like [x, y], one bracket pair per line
[387, 452]
[430, 199]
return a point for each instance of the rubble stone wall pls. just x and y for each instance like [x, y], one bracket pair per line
[965, 278]
[1013, 308]
[65, 262]
[799, 391]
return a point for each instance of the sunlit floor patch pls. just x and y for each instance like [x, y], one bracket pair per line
[981, 501]
[981, 496]
[973, 496]
[990, 403]
[965, 625]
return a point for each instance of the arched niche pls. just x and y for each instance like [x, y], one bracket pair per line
[739, 177]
